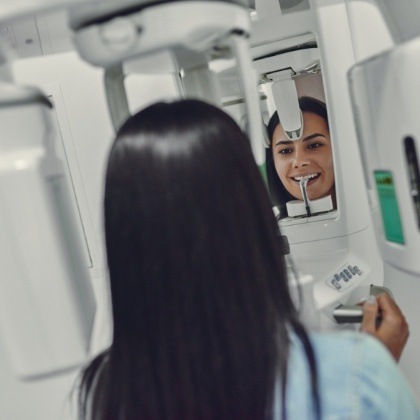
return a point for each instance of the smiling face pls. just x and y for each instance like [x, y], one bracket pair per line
[309, 157]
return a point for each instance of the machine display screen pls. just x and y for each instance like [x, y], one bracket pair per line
[389, 207]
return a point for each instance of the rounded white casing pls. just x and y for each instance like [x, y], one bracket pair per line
[158, 28]
[47, 305]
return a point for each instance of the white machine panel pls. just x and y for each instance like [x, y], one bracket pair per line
[386, 100]
[47, 305]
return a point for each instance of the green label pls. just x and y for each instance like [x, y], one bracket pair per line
[389, 207]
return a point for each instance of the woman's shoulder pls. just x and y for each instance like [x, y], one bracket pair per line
[363, 355]
[351, 356]
[357, 374]
[345, 343]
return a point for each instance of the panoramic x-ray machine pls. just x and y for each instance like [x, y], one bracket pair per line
[47, 304]
[125, 39]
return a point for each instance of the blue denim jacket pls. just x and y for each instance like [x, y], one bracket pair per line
[358, 379]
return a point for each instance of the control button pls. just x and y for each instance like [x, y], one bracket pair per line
[358, 271]
[347, 273]
[352, 270]
[337, 277]
[336, 284]
[344, 277]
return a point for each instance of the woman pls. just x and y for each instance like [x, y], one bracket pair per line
[204, 327]
[308, 157]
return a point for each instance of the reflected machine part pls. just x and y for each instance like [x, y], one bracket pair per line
[286, 99]
[303, 184]
[280, 70]
[298, 208]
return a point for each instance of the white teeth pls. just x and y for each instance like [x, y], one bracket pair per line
[298, 178]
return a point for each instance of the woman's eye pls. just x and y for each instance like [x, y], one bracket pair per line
[285, 151]
[314, 145]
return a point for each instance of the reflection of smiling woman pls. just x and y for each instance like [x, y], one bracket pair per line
[309, 157]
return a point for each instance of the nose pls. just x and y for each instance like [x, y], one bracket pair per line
[300, 159]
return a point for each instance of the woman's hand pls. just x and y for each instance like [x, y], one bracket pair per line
[383, 319]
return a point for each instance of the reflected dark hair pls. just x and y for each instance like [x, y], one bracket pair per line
[278, 193]
[201, 307]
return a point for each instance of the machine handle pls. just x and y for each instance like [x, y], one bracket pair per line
[344, 314]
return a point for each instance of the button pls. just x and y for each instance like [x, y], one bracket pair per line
[347, 273]
[336, 284]
[357, 269]
[337, 277]
[344, 277]
[352, 270]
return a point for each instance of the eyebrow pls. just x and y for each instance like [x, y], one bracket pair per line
[310, 137]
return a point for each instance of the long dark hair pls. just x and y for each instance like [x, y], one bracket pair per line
[201, 307]
[278, 193]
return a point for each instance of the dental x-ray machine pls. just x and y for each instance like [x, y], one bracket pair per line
[333, 249]
[126, 38]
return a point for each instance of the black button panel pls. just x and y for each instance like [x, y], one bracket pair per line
[341, 278]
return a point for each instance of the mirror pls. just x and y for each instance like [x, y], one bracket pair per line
[300, 169]
[293, 108]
